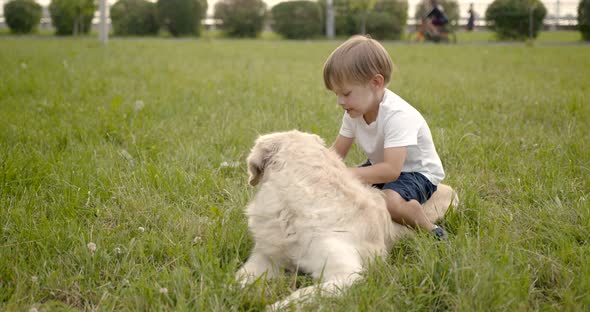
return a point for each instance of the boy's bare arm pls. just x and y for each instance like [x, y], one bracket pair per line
[387, 171]
[342, 145]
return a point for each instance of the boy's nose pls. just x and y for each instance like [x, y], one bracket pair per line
[341, 101]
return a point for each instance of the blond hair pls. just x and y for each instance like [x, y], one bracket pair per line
[357, 61]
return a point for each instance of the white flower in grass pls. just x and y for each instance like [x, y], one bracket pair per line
[118, 250]
[126, 155]
[197, 239]
[231, 164]
[141, 229]
[34, 279]
[163, 290]
[33, 309]
[139, 105]
[91, 247]
[126, 282]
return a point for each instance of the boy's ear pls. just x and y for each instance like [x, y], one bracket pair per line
[378, 81]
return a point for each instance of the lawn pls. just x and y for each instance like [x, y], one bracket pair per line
[123, 179]
[545, 37]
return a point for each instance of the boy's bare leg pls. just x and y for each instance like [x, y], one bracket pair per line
[407, 212]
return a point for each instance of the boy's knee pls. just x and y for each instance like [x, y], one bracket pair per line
[392, 199]
[392, 196]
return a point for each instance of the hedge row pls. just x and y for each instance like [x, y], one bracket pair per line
[299, 19]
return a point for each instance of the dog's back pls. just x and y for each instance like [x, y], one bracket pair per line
[307, 194]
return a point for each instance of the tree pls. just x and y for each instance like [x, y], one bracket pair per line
[22, 16]
[297, 19]
[386, 19]
[134, 17]
[516, 19]
[181, 17]
[241, 18]
[584, 19]
[363, 7]
[72, 17]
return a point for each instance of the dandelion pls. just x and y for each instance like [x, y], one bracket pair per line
[34, 279]
[231, 164]
[126, 282]
[141, 229]
[139, 105]
[163, 290]
[91, 247]
[118, 250]
[126, 155]
[197, 239]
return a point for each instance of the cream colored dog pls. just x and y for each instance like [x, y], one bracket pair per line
[311, 215]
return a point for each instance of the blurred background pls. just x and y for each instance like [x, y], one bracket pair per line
[383, 19]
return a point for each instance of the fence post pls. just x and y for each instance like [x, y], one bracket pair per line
[330, 19]
[103, 27]
[531, 8]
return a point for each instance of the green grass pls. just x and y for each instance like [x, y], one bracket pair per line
[82, 160]
[561, 36]
[545, 37]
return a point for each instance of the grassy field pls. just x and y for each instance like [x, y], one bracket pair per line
[545, 37]
[463, 37]
[122, 175]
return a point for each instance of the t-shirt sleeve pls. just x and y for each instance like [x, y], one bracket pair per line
[401, 129]
[348, 127]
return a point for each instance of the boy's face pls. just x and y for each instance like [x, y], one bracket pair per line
[358, 99]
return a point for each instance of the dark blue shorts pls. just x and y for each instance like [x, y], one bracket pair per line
[409, 185]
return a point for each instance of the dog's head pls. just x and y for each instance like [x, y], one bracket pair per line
[267, 146]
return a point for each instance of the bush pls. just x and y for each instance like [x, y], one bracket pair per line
[72, 17]
[386, 20]
[22, 16]
[450, 7]
[297, 19]
[241, 18]
[134, 17]
[584, 19]
[181, 17]
[381, 25]
[510, 18]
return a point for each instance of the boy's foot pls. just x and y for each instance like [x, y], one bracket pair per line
[440, 233]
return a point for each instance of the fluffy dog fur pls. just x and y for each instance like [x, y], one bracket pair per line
[311, 215]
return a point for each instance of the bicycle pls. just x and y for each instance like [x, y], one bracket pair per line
[442, 35]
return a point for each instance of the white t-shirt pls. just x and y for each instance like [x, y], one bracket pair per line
[398, 124]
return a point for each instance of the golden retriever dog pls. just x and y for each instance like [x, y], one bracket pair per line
[312, 215]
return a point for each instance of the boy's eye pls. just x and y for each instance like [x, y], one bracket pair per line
[347, 93]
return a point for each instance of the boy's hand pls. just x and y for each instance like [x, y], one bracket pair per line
[387, 171]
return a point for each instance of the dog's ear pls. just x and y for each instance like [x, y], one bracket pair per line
[260, 155]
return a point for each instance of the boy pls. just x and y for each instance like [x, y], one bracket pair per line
[403, 161]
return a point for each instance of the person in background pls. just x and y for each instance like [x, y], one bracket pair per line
[434, 24]
[471, 20]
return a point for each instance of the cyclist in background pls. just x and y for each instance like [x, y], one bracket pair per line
[434, 24]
